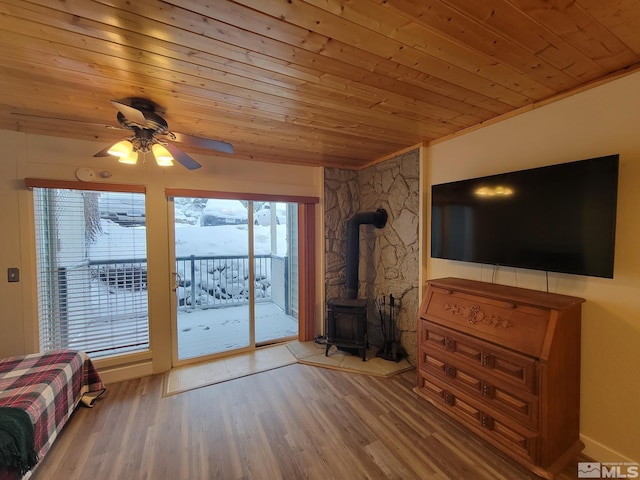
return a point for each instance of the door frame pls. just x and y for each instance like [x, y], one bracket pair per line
[306, 266]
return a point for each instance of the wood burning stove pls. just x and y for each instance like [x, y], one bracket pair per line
[347, 325]
[347, 317]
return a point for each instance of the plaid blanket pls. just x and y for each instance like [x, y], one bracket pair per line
[48, 386]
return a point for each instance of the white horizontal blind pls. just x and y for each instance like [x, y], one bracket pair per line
[92, 270]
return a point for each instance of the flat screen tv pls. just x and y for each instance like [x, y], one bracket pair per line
[560, 218]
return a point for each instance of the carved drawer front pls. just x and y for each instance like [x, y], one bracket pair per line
[432, 337]
[513, 325]
[505, 365]
[517, 439]
[516, 403]
[431, 389]
[522, 443]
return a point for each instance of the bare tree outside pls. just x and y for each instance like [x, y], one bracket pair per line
[92, 215]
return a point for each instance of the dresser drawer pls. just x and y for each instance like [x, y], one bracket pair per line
[516, 403]
[510, 437]
[513, 325]
[502, 364]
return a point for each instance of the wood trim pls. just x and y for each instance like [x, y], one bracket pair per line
[261, 197]
[391, 155]
[77, 185]
[542, 103]
[307, 271]
[306, 247]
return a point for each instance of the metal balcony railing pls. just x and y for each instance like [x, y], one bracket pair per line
[218, 281]
[204, 281]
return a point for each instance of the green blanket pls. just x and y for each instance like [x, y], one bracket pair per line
[17, 449]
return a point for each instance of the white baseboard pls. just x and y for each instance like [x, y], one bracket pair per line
[601, 453]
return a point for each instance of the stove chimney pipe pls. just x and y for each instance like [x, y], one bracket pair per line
[377, 219]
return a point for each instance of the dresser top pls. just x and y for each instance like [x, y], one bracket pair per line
[539, 298]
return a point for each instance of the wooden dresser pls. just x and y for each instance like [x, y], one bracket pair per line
[505, 362]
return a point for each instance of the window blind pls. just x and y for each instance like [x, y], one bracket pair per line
[91, 260]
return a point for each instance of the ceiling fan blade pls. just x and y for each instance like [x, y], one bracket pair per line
[182, 158]
[203, 142]
[104, 152]
[132, 114]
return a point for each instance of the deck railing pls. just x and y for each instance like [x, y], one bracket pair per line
[204, 281]
[223, 280]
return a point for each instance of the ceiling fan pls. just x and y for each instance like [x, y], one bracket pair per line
[140, 115]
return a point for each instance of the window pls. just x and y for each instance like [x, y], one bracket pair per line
[91, 260]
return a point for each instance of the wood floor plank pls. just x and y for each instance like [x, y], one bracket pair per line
[295, 422]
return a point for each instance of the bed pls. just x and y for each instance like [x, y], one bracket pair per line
[38, 394]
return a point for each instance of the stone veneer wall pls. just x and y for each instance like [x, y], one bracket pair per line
[389, 257]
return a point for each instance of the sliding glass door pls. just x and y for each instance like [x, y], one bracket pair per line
[275, 240]
[232, 282]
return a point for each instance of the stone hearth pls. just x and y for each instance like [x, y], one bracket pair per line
[390, 256]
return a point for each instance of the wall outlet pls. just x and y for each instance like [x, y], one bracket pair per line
[13, 274]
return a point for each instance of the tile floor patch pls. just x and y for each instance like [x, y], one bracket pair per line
[311, 353]
[189, 377]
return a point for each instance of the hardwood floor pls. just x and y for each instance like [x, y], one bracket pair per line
[295, 422]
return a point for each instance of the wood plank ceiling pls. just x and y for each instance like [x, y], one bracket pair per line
[320, 82]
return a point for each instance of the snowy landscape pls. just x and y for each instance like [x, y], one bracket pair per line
[222, 279]
[215, 282]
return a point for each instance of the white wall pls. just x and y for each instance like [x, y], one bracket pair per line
[600, 121]
[56, 158]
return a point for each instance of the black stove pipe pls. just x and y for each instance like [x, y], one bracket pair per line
[377, 219]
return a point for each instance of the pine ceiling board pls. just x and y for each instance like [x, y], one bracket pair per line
[220, 89]
[437, 108]
[372, 78]
[312, 144]
[456, 49]
[352, 63]
[396, 132]
[623, 20]
[272, 122]
[27, 90]
[351, 37]
[304, 114]
[580, 29]
[226, 124]
[341, 59]
[142, 55]
[342, 113]
[216, 52]
[248, 151]
[263, 152]
[477, 32]
[49, 127]
[544, 29]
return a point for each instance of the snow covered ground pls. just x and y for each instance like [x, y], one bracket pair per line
[189, 240]
[200, 332]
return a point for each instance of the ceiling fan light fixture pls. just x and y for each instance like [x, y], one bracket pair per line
[130, 159]
[162, 155]
[121, 149]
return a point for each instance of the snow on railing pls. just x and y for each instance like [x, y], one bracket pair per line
[217, 281]
[203, 281]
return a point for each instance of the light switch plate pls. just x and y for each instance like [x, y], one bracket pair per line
[13, 274]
